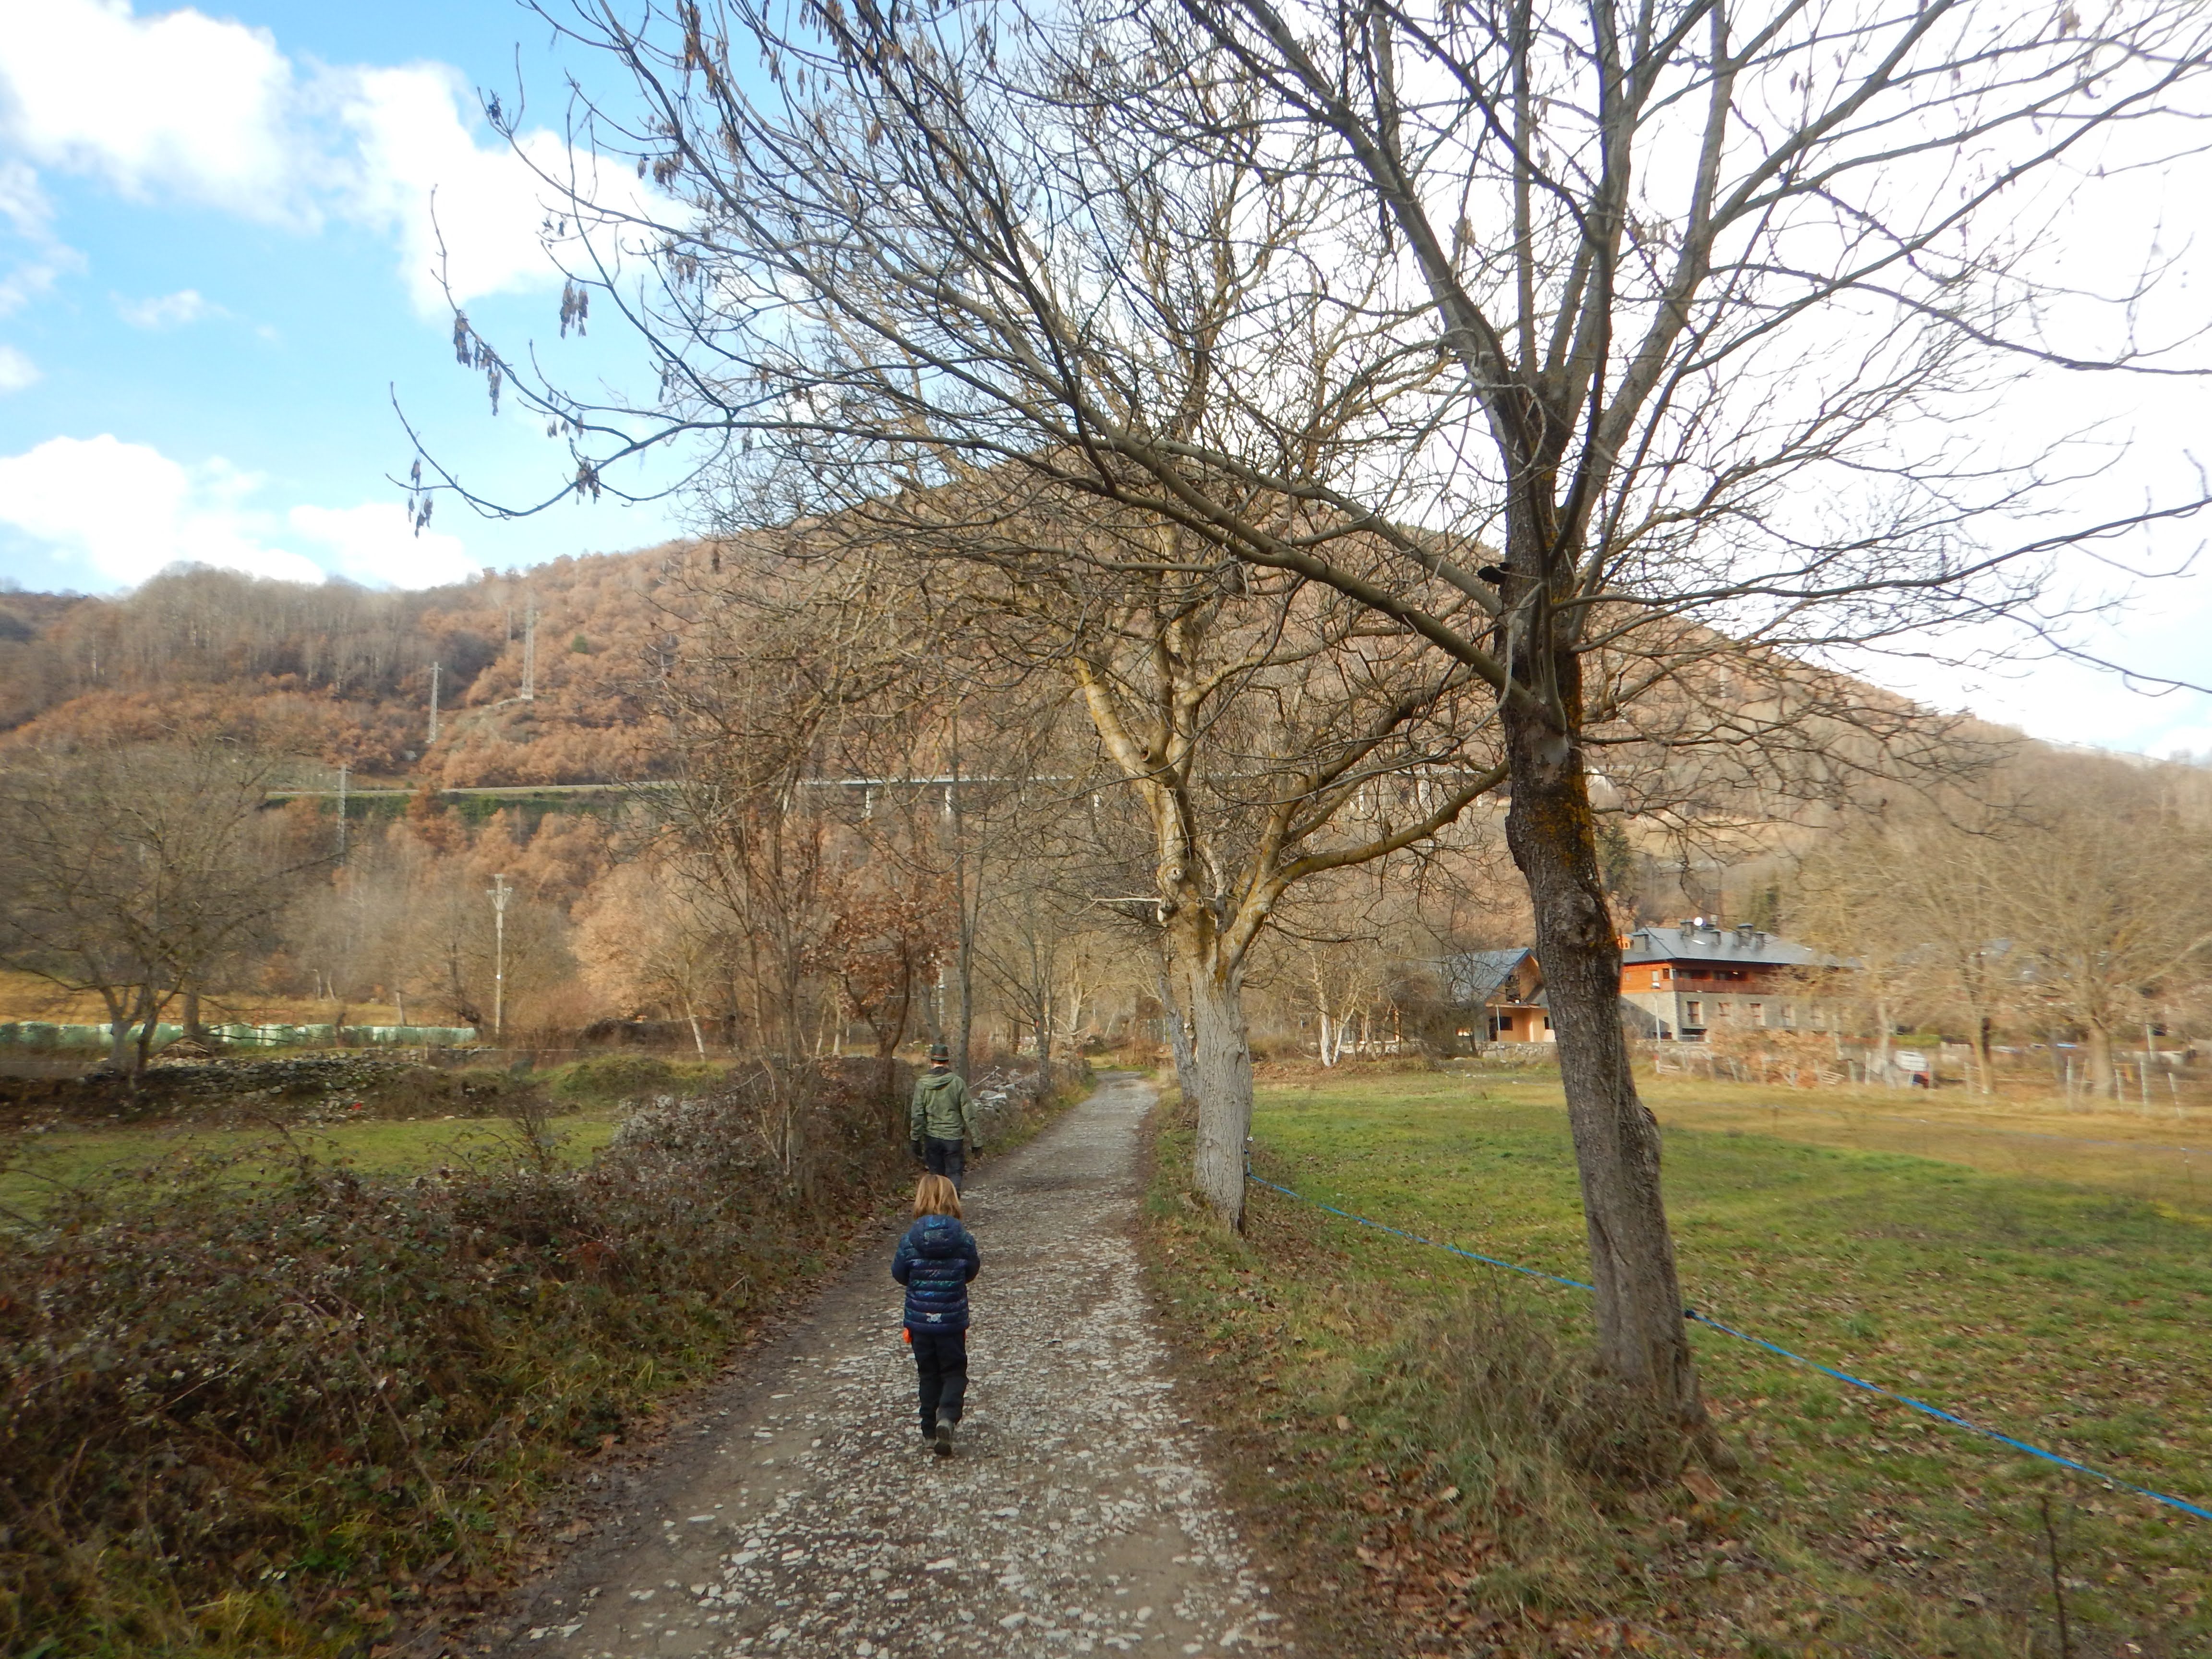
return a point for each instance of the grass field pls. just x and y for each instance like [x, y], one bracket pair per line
[2159, 1157]
[2154, 1158]
[48, 1163]
[2076, 1316]
[404, 1123]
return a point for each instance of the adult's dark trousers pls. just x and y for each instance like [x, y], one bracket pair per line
[940, 1369]
[946, 1158]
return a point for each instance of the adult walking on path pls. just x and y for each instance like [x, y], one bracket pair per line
[798, 1516]
[941, 1121]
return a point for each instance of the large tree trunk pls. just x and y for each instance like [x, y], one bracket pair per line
[2100, 1078]
[1549, 827]
[1209, 994]
[1221, 1059]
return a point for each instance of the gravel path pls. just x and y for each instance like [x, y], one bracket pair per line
[802, 1517]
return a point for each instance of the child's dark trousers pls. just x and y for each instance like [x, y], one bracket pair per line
[940, 1365]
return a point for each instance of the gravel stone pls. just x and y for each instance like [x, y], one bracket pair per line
[1078, 1516]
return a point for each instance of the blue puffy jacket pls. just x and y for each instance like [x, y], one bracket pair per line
[935, 1261]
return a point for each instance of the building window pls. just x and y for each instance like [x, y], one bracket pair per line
[1788, 1015]
[1548, 1021]
[1693, 1013]
[1758, 1013]
[1654, 979]
[1505, 1021]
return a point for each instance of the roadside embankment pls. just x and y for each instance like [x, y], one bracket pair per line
[255, 1403]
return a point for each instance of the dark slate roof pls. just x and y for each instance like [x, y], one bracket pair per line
[1475, 976]
[1739, 945]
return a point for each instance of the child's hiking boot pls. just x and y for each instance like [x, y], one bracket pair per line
[942, 1441]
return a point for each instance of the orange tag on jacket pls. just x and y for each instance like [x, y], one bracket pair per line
[906, 1336]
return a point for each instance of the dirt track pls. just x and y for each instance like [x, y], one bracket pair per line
[802, 1515]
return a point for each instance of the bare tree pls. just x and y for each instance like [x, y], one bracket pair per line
[141, 872]
[1653, 241]
[1917, 895]
[2108, 911]
[750, 717]
[1622, 359]
[1847, 901]
[1161, 629]
[2019, 904]
[1256, 730]
[888, 942]
[649, 937]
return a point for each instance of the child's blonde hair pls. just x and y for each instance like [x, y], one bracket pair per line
[935, 1196]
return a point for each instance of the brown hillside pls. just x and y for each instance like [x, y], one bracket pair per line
[345, 671]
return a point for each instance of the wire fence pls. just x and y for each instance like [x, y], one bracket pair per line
[1695, 1317]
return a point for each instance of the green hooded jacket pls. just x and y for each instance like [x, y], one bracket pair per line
[941, 1108]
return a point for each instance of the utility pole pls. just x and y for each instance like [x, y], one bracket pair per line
[499, 891]
[434, 668]
[341, 814]
[530, 653]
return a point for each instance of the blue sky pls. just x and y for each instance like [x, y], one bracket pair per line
[214, 254]
[213, 258]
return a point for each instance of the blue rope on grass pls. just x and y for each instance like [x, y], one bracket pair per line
[1943, 1416]
[1937, 1412]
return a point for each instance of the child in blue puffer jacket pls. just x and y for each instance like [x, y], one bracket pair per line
[935, 1261]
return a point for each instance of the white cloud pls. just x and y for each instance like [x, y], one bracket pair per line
[2194, 741]
[181, 105]
[377, 542]
[126, 510]
[29, 217]
[16, 371]
[417, 152]
[422, 177]
[168, 310]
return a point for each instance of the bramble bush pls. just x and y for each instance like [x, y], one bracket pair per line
[252, 1413]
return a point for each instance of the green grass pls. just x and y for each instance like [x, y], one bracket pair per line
[2074, 1319]
[404, 1122]
[49, 1162]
